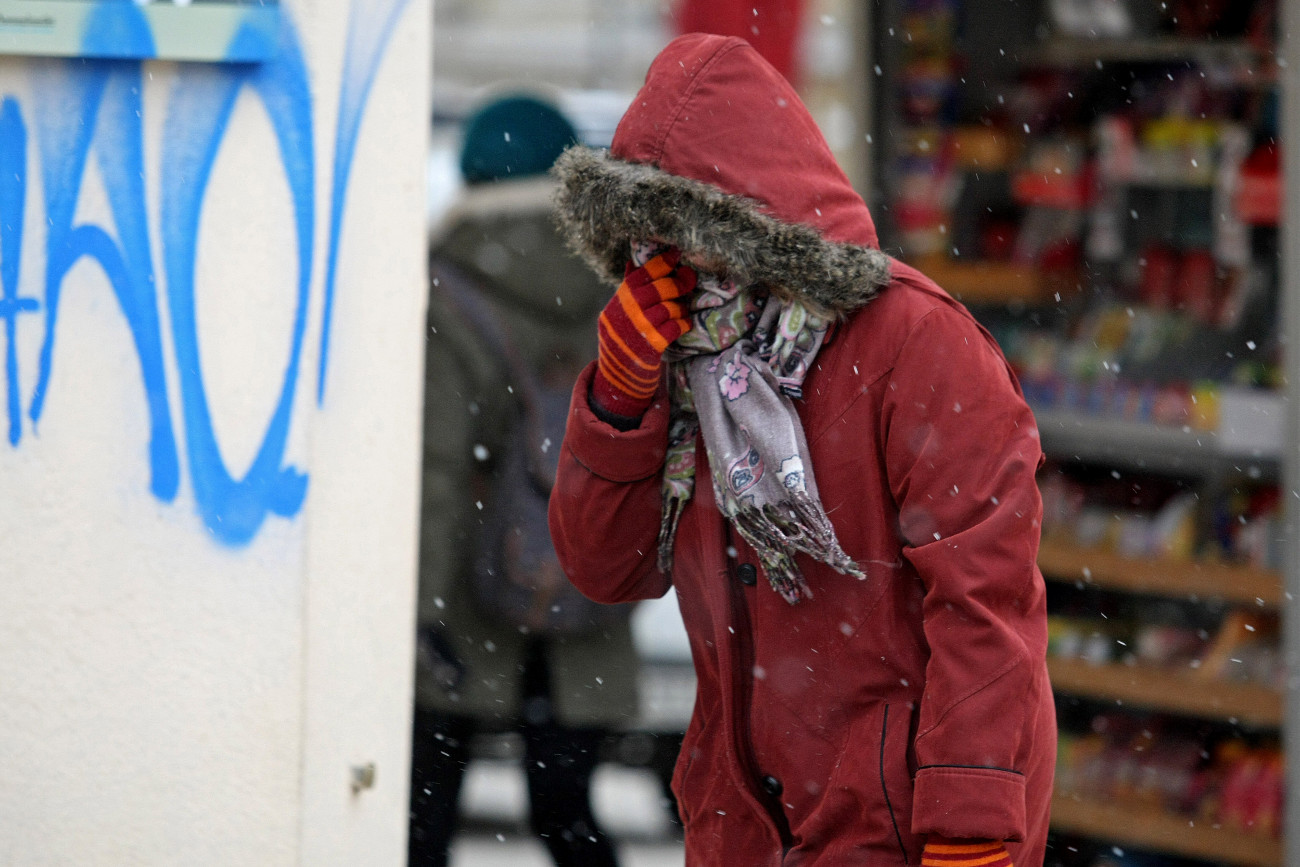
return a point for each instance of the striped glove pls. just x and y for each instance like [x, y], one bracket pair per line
[635, 328]
[943, 852]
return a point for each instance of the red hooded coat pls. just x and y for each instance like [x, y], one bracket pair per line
[841, 730]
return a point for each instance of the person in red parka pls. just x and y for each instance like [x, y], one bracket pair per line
[831, 462]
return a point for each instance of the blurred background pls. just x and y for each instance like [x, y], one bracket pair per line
[591, 57]
[1100, 182]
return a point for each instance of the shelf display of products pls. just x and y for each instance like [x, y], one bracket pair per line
[1160, 785]
[928, 178]
[1099, 181]
[1124, 178]
[1151, 762]
[1154, 364]
[1160, 517]
[1244, 648]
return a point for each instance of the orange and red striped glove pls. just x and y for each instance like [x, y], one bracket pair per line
[635, 328]
[945, 852]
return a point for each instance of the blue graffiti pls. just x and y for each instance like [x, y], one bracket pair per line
[194, 130]
[258, 35]
[13, 192]
[116, 29]
[96, 106]
[121, 29]
[368, 33]
[101, 103]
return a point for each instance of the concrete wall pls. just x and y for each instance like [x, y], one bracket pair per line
[211, 333]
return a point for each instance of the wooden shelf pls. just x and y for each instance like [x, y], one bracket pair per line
[1186, 693]
[1063, 562]
[985, 282]
[1146, 446]
[1135, 825]
[1065, 51]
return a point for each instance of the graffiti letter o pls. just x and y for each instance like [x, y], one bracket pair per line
[198, 112]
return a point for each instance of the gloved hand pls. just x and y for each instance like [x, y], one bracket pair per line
[944, 852]
[635, 328]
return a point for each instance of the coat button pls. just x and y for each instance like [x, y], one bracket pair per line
[772, 786]
[747, 573]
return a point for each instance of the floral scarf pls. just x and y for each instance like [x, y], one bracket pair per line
[734, 378]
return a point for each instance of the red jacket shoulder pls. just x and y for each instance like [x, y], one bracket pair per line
[877, 334]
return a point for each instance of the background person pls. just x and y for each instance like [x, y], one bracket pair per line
[505, 643]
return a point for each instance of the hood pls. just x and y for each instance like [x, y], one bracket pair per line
[719, 157]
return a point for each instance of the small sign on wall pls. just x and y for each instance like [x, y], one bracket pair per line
[236, 31]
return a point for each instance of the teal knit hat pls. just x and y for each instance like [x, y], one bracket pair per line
[513, 137]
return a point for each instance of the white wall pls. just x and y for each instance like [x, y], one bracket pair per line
[207, 536]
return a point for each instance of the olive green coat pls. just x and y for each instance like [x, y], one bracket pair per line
[502, 235]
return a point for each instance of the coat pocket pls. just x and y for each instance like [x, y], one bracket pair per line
[866, 815]
[895, 771]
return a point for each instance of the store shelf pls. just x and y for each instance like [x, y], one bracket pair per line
[1135, 825]
[1182, 579]
[985, 282]
[1065, 51]
[1180, 692]
[1168, 417]
[1146, 446]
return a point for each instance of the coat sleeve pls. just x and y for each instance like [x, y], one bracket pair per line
[962, 450]
[605, 505]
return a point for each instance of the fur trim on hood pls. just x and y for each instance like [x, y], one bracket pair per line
[603, 203]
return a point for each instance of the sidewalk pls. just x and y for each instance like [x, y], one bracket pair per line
[627, 803]
[479, 851]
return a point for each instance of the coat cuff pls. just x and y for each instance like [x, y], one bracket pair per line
[965, 802]
[610, 453]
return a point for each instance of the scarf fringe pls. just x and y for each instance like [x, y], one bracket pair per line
[671, 514]
[798, 524]
[795, 524]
